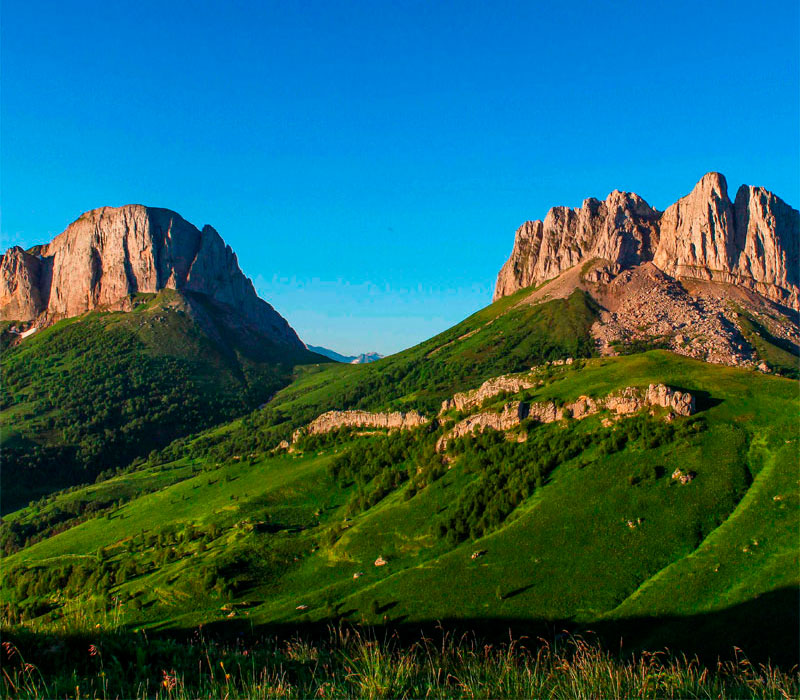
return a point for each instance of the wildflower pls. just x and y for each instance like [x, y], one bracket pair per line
[170, 680]
[93, 650]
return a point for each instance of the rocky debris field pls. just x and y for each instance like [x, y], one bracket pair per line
[662, 311]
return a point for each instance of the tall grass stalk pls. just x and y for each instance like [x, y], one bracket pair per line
[355, 663]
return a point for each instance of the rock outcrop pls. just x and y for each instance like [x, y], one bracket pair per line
[20, 286]
[110, 253]
[623, 402]
[334, 420]
[467, 400]
[753, 242]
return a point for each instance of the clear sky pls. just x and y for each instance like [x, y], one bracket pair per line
[370, 161]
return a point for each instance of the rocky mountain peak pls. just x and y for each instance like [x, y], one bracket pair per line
[751, 242]
[110, 253]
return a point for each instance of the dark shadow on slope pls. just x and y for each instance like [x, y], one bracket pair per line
[765, 629]
[517, 591]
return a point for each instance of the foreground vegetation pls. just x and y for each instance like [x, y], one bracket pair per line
[352, 663]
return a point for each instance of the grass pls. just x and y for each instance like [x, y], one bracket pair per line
[504, 337]
[217, 530]
[781, 356]
[352, 663]
[282, 537]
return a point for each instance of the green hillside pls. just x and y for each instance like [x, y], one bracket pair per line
[582, 525]
[507, 336]
[90, 394]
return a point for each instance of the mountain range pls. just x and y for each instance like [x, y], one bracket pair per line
[349, 359]
[751, 243]
[610, 445]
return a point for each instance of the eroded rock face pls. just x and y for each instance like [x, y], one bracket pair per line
[752, 242]
[624, 402]
[467, 400]
[333, 420]
[682, 403]
[623, 228]
[20, 295]
[111, 253]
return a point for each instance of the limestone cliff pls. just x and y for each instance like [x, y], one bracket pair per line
[624, 402]
[752, 242]
[334, 420]
[110, 253]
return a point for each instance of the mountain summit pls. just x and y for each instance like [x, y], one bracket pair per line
[752, 242]
[110, 253]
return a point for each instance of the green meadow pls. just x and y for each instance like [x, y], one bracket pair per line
[584, 531]
[277, 540]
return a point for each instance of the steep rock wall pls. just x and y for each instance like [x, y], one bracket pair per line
[111, 253]
[752, 242]
[334, 420]
[624, 402]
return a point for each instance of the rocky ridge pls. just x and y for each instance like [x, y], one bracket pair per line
[334, 420]
[111, 253]
[623, 402]
[512, 384]
[752, 242]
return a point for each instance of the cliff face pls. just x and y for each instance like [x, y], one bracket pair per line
[20, 279]
[751, 242]
[624, 402]
[110, 253]
[624, 229]
[333, 420]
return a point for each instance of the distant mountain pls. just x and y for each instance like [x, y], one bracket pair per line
[365, 357]
[361, 359]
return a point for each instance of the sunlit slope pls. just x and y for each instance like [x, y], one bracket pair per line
[606, 535]
[507, 336]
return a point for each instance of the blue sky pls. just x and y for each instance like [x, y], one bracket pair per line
[370, 161]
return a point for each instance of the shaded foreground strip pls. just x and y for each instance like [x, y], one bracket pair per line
[357, 664]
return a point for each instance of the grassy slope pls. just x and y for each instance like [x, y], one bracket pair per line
[566, 553]
[780, 356]
[503, 337]
[91, 393]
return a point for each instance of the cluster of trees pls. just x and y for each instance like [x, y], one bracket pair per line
[17, 534]
[105, 399]
[646, 432]
[102, 397]
[32, 590]
[380, 464]
[509, 472]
